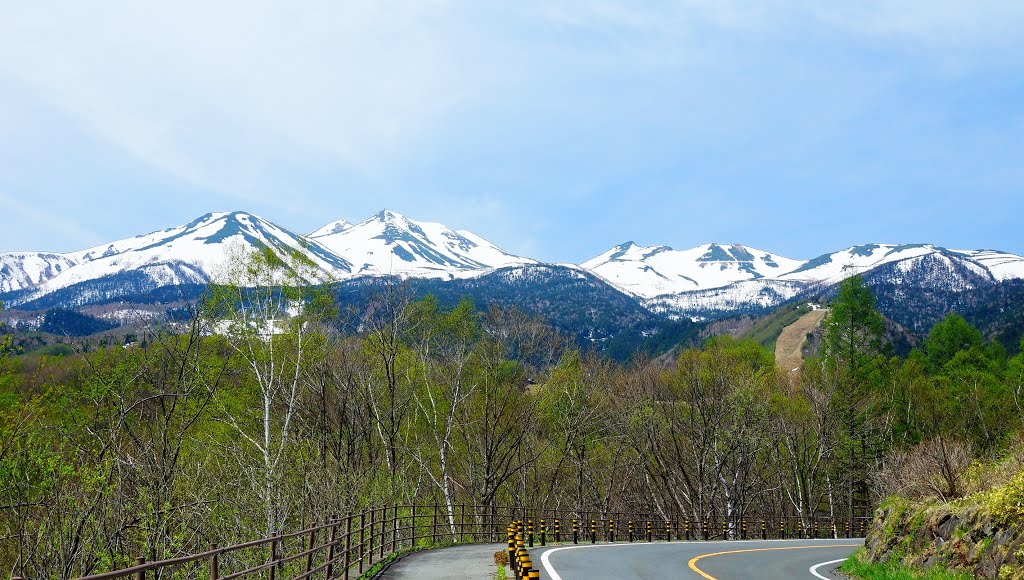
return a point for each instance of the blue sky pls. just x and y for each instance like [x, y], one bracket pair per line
[555, 129]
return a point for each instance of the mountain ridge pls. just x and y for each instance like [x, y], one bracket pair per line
[706, 282]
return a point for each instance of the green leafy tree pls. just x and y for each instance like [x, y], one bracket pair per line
[948, 337]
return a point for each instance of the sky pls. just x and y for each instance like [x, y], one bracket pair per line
[555, 129]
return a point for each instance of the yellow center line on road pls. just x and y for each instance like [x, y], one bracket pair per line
[693, 561]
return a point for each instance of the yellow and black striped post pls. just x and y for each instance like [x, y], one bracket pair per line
[649, 530]
[534, 574]
[511, 547]
[846, 531]
[543, 532]
[575, 531]
[668, 531]
[631, 531]
[705, 530]
[725, 535]
[764, 530]
[529, 531]
[817, 531]
[743, 529]
[782, 529]
[800, 528]
[593, 531]
[558, 531]
[611, 531]
[686, 529]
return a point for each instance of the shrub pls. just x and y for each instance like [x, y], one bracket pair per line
[934, 468]
[1006, 502]
[501, 557]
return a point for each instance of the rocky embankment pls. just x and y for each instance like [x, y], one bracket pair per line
[967, 536]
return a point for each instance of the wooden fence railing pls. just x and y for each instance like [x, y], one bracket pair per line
[350, 546]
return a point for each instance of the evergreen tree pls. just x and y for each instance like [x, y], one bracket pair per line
[948, 337]
[852, 347]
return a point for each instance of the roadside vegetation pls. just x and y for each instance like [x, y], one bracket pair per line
[858, 567]
[270, 409]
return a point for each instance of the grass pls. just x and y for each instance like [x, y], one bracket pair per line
[857, 567]
[380, 566]
[501, 574]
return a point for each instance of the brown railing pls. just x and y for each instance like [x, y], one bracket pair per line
[350, 546]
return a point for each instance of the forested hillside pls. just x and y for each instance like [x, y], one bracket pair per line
[258, 415]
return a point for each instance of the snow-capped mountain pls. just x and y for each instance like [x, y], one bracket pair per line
[195, 253]
[652, 271]
[714, 279]
[918, 282]
[21, 270]
[392, 244]
[860, 259]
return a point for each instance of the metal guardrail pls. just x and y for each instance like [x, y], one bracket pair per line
[347, 547]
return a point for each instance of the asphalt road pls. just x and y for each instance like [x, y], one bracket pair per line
[471, 562]
[771, 559]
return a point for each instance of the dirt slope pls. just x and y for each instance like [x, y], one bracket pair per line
[789, 346]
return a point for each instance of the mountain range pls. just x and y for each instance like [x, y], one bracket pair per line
[660, 283]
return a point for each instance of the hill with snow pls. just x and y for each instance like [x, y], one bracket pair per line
[389, 243]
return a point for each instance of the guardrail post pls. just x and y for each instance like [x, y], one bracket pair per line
[310, 542]
[362, 539]
[214, 572]
[396, 537]
[558, 531]
[272, 570]
[650, 532]
[611, 531]
[141, 574]
[369, 552]
[764, 530]
[331, 539]
[543, 532]
[383, 530]
[668, 531]
[593, 531]
[686, 530]
[433, 525]
[348, 543]
[575, 531]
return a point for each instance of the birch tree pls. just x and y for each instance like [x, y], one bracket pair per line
[269, 314]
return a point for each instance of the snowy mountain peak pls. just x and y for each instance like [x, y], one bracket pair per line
[195, 253]
[655, 270]
[390, 243]
[335, 227]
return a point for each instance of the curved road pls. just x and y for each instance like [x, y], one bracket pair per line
[767, 559]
